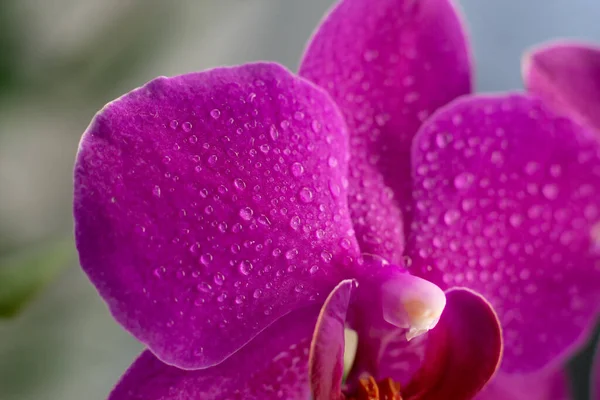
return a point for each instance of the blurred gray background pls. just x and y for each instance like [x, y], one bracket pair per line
[60, 61]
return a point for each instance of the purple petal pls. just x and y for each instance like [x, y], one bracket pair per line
[553, 386]
[567, 77]
[595, 378]
[204, 207]
[388, 64]
[326, 363]
[273, 365]
[462, 352]
[507, 199]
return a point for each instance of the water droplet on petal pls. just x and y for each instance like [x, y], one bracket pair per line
[297, 169]
[451, 216]
[326, 256]
[245, 267]
[246, 213]
[216, 113]
[550, 191]
[239, 184]
[306, 195]
[295, 222]
[206, 258]
[219, 278]
[464, 180]
[186, 126]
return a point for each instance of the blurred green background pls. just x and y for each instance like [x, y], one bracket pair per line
[61, 61]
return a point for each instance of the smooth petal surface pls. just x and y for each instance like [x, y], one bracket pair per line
[272, 366]
[567, 77]
[388, 64]
[553, 386]
[326, 362]
[462, 352]
[507, 199]
[595, 378]
[204, 207]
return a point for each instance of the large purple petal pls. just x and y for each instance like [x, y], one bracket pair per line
[567, 77]
[462, 352]
[595, 378]
[548, 386]
[388, 64]
[207, 206]
[507, 199]
[273, 365]
[326, 363]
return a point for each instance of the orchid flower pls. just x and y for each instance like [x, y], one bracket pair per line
[236, 220]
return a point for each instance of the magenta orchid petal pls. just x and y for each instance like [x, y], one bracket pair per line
[547, 386]
[326, 362]
[567, 77]
[461, 353]
[595, 378]
[273, 365]
[507, 200]
[388, 64]
[204, 207]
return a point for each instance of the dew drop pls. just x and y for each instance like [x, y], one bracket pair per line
[315, 126]
[206, 258]
[219, 278]
[212, 160]
[297, 169]
[463, 181]
[245, 267]
[326, 256]
[239, 184]
[295, 222]
[246, 213]
[291, 254]
[451, 216]
[332, 162]
[173, 124]
[215, 113]
[273, 132]
[306, 195]
[186, 126]
[334, 188]
[442, 139]
[550, 191]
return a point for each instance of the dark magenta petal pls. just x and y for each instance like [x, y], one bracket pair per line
[548, 386]
[207, 206]
[507, 199]
[595, 378]
[567, 77]
[326, 363]
[388, 64]
[461, 353]
[273, 365]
